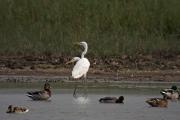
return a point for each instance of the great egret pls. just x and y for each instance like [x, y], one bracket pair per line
[82, 65]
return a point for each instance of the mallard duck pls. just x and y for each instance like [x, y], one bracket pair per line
[111, 100]
[157, 102]
[41, 95]
[170, 93]
[12, 109]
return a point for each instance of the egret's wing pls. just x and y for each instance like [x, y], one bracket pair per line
[80, 68]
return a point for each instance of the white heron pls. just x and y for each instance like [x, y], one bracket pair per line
[81, 67]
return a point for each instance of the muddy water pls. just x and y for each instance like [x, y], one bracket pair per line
[62, 106]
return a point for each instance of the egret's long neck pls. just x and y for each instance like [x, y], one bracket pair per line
[85, 50]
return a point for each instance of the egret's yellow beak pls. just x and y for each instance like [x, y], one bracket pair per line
[69, 62]
[76, 43]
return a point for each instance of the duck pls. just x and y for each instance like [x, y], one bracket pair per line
[171, 93]
[157, 102]
[16, 109]
[112, 99]
[41, 95]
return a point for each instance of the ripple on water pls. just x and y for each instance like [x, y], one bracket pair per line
[82, 100]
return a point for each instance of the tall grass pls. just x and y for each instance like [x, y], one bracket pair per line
[111, 27]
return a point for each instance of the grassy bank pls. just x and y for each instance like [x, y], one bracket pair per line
[111, 27]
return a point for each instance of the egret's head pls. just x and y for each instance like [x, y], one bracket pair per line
[83, 43]
[73, 60]
[85, 47]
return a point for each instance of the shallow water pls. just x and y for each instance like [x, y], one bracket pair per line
[62, 106]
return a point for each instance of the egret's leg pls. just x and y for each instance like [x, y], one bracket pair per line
[77, 93]
[83, 91]
[74, 93]
[85, 85]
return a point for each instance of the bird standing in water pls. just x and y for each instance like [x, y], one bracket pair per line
[81, 67]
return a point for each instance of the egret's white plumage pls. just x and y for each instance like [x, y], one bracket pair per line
[81, 68]
[82, 65]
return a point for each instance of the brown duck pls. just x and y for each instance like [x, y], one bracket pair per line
[157, 102]
[41, 95]
[16, 109]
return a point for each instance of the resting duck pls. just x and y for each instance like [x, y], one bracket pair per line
[112, 100]
[157, 102]
[12, 109]
[41, 95]
[171, 93]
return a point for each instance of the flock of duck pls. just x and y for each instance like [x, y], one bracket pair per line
[44, 94]
[80, 70]
[168, 94]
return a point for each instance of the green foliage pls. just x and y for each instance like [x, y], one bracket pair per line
[111, 27]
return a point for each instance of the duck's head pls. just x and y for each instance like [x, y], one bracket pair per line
[47, 86]
[151, 102]
[10, 109]
[120, 99]
[174, 87]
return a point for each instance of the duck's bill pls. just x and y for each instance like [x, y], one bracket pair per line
[162, 92]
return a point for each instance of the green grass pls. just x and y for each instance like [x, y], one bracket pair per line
[111, 27]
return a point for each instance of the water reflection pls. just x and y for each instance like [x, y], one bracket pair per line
[64, 107]
[82, 100]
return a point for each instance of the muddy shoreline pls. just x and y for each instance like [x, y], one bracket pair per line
[65, 75]
[148, 68]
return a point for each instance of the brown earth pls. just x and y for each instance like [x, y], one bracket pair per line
[156, 66]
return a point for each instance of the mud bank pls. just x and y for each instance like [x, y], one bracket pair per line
[123, 79]
[142, 69]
